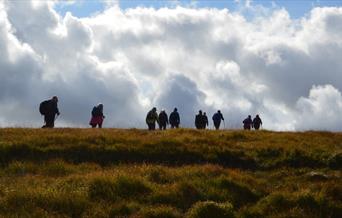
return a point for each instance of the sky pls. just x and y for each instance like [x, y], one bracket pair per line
[296, 8]
[279, 59]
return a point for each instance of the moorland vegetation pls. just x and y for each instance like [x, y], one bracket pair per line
[175, 173]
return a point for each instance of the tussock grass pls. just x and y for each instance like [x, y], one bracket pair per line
[211, 209]
[119, 188]
[246, 150]
[160, 212]
[174, 173]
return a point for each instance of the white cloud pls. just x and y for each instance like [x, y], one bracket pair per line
[189, 58]
[321, 109]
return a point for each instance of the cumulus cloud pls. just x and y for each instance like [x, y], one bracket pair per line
[287, 70]
[322, 106]
[179, 91]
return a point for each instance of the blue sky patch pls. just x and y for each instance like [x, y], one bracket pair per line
[296, 8]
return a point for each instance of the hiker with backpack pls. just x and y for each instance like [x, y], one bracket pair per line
[199, 120]
[174, 119]
[257, 122]
[152, 118]
[163, 120]
[97, 116]
[49, 109]
[217, 117]
[247, 123]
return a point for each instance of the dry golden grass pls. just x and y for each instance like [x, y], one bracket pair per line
[175, 173]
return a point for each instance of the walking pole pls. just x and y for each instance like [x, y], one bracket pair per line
[224, 125]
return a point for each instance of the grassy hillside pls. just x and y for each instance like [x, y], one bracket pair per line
[176, 173]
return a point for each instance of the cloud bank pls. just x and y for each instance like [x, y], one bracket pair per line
[287, 70]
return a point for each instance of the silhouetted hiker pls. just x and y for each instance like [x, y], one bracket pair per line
[174, 119]
[247, 123]
[163, 120]
[199, 120]
[205, 120]
[257, 122]
[152, 118]
[217, 117]
[97, 116]
[49, 109]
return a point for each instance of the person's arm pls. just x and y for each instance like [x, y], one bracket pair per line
[56, 109]
[101, 113]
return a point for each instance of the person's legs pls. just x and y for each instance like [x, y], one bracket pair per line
[49, 121]
[151, 126]
[217, 125]
[44, 126]
[100, 124]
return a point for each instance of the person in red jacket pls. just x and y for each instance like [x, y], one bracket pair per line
[97, 116]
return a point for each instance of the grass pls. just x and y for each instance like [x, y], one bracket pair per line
[175, 173]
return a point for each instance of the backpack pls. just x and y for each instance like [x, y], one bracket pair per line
[95, 111]
[216, 117]
[150, 116]
[174, 118]
[44, 107]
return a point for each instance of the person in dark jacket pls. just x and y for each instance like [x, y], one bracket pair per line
[199, 120]
[257, 122]
[97, 116]
[247, 123]
[152, 118]
[205, 120]
[50, 111]
[163, 120]
[174, 119]
[217, 117]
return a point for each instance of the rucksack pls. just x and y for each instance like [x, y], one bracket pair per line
[150, 115]
[95, 111]
[44, 107]
[173, 117]
[216, 117]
